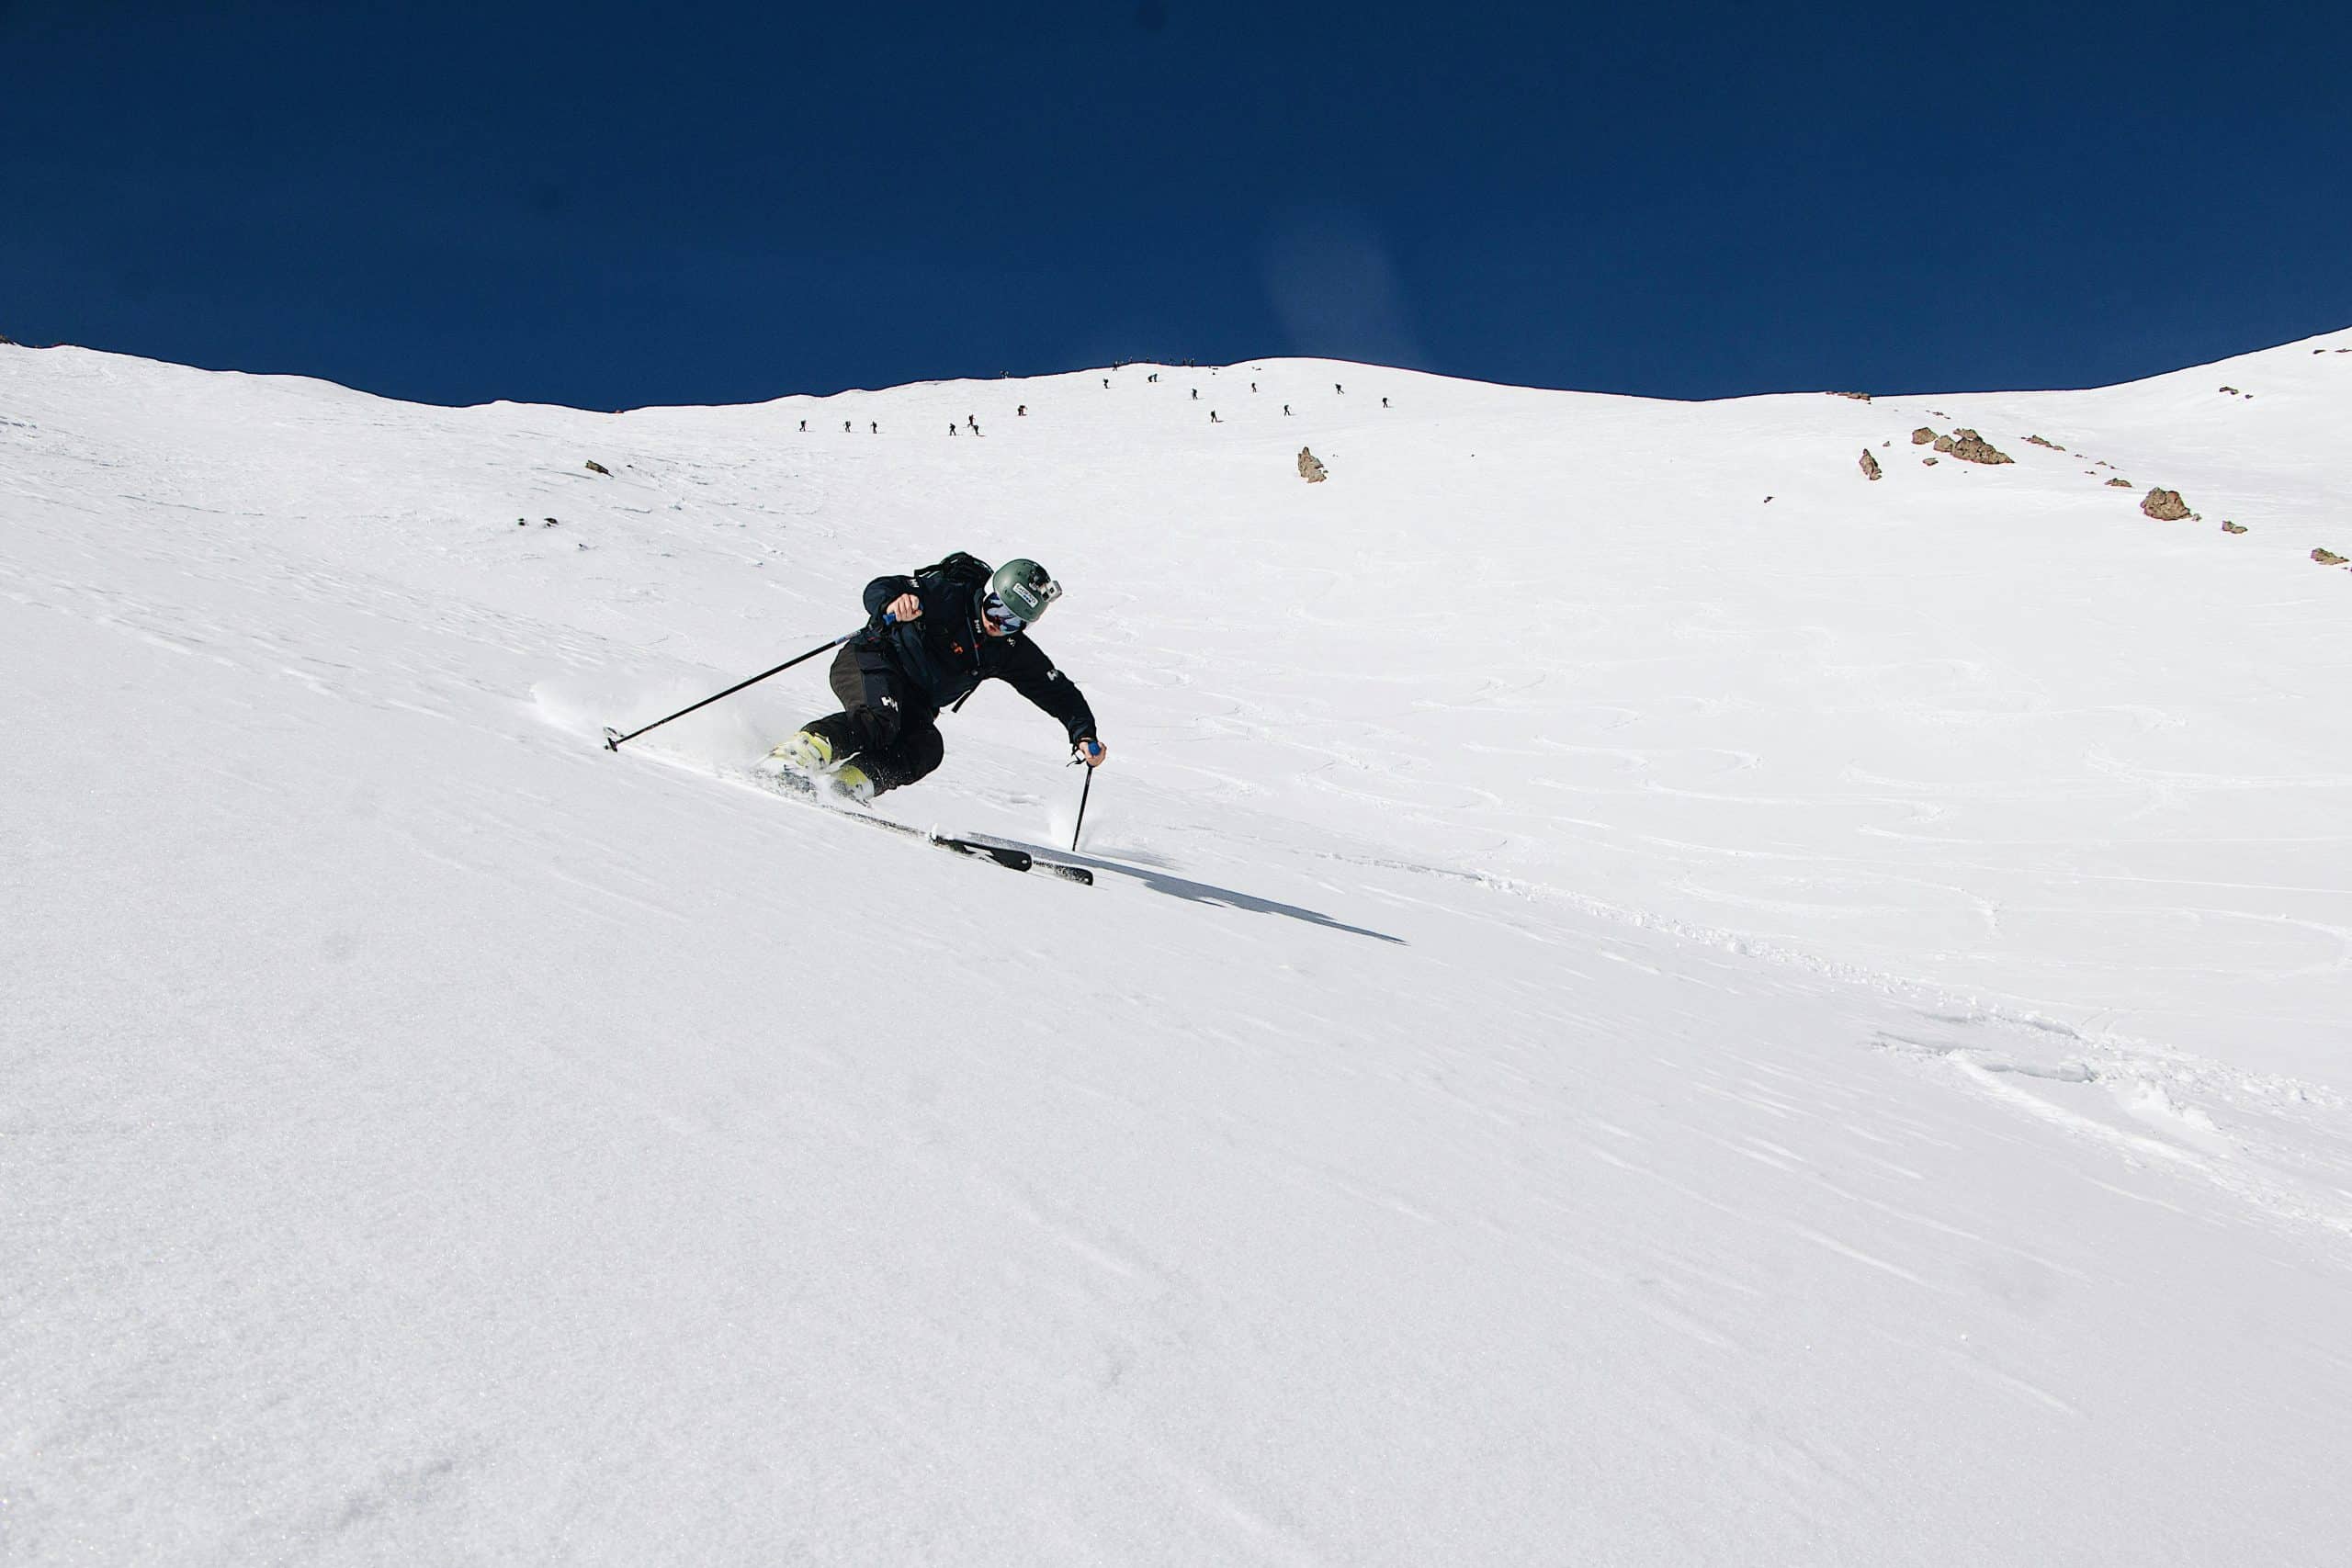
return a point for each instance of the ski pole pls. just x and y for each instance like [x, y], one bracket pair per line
[613, 739]
[1083, 791]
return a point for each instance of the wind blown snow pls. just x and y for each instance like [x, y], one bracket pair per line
[1621, 1019]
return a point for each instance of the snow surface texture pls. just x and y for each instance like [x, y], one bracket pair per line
[1622, 1022]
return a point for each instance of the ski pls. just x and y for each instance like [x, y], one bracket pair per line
[1041, 859]
[1013, 857]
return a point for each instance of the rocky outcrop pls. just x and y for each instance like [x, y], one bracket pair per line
[596, 468]
[2165, 505]
[1869, 465]
[1971, 448]
[1943, 443]
[2119, 484]
[2229, 527]
[1927, 462]
[1310, 468]
[1922, 435]
[2327, 558]
[2037, 441]
[1858, 397]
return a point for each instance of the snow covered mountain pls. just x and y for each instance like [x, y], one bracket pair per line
[1650, 999]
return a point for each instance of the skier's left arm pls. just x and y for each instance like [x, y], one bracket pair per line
[1033, 675]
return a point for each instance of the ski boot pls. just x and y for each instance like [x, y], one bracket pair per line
[810, 757]
[807, 752]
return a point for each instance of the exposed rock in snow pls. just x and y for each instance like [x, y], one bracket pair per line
[1310, 468]
[2165, 505]
[1971, 448]
[1869, 465]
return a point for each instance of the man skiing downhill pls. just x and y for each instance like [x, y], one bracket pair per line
[929, 639]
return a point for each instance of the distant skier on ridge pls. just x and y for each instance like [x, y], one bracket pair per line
[929, 639]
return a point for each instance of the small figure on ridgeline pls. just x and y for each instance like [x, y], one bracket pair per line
[929, 639]
[1213, 418]
[951, 427]
[874, 428]
[1384, 402]
[844, 427]
[1196, 394]
[1336, 387]
[1106, 383]
[1021, 413]
[1253, 386]
[974, 422]
[1286, 410]
[1153, 377]
[803, 427]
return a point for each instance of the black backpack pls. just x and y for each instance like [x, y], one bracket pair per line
[959, 567]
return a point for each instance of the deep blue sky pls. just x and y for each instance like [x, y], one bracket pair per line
[613, 205]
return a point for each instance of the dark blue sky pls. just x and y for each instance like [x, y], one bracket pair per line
[615, 205]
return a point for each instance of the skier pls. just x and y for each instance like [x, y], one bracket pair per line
[803, 427]
[1286, 410]
[874, 428]
[1338, 388]
[1213, 418]
[844, 427]
[929, 640]
[1022, 412]
[1384, 402]
[1196, 394]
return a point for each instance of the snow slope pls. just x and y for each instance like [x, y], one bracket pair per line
[1621, 1021]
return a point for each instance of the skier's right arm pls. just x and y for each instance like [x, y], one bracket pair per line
[883, 597]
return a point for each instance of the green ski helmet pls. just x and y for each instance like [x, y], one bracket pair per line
[1024, 588]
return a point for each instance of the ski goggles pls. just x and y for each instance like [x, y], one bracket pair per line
[999, 616]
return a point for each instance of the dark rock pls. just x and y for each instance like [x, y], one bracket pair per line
[2119, 484]
[1971, 448]
[1858, 397]
[2229, 527]
[596, 468]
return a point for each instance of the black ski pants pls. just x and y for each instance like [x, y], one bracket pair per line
[891, 730]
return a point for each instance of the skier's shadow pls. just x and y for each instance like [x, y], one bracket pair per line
[1197, 892]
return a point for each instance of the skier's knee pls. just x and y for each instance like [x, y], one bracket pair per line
[923, 750]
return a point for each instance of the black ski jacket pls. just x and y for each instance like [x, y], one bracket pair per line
[945, 654]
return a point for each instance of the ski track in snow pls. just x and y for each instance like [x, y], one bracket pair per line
[1818, 1035]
